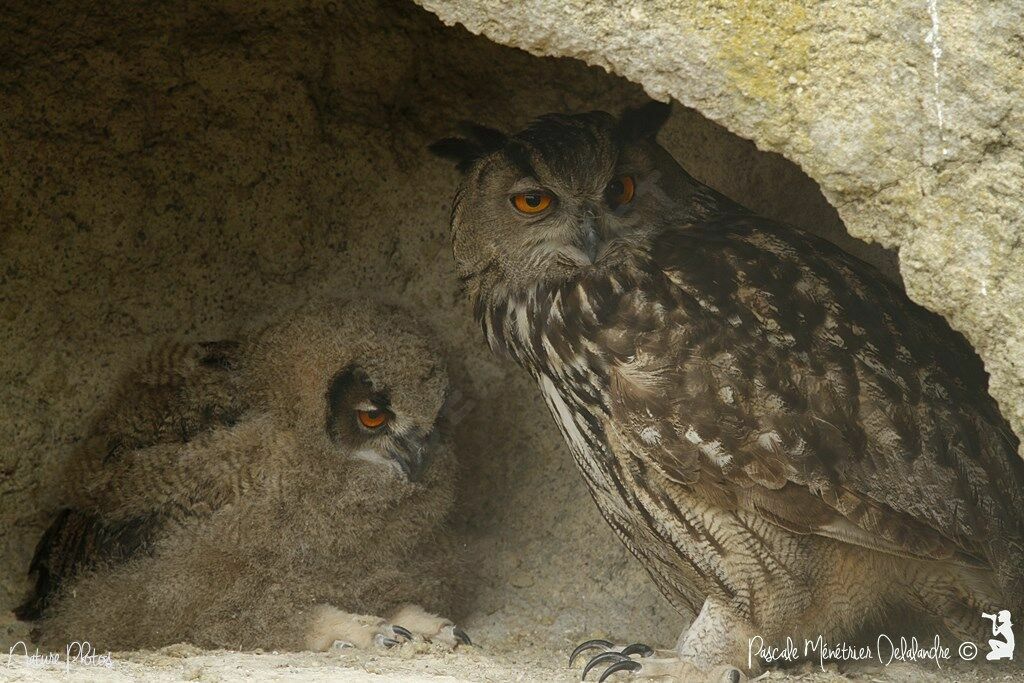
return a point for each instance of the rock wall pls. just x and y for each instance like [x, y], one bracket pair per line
[183, 168]
[908, 114]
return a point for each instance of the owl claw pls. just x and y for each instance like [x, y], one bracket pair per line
[626, 665]
[461, 636]
[604, 657]
[402, 631]
[596, 644]
[637, 649]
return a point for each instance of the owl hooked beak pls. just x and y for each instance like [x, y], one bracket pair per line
[408, 453]
[405, 455]
[589, 238]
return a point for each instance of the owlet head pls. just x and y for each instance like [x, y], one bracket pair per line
[565, 194]
[358, 380]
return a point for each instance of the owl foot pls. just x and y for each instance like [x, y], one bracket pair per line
[671, 668]
[606, 646]
[334, 629]
[331, 628]
[387, 636]
[430, 627]
[648, 666]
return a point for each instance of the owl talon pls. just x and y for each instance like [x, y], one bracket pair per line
[461, 636]
[604, 657]
[381, 640]
[402, 631]
[596, 644]
[627, 665]
[637, 649]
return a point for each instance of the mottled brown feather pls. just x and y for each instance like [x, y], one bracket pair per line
[176, 393]
[833, 380]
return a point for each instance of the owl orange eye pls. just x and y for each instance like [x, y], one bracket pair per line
[531, 202]
[372, 419]
[620, 191]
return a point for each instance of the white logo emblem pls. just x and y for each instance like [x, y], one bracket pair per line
[1001, 627]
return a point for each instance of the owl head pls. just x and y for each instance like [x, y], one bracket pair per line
[567, 193]
[356, 382]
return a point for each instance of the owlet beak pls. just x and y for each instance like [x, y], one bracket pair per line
[409, 454]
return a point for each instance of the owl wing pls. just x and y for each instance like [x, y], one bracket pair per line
[76, 540]
[779, 375]
[178, 391]
[120, 495]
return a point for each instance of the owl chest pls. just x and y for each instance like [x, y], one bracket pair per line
[582, 431]
[583, 426]
[576, 394]
[633, 503]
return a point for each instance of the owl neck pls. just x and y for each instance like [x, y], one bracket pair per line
[551, 328]
[555, 332]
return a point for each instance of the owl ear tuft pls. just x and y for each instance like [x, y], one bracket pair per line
[490, 139]
[644, 122]
[479, 141]
[461, 151]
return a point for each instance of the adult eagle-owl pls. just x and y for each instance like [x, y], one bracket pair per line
[788, 444]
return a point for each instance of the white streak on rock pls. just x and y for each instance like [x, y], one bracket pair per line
[932, 38]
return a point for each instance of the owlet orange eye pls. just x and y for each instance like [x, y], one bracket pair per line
[531, 202]
[372, 419]
[620, 191]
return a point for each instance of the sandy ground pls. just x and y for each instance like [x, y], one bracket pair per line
[419, 662]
